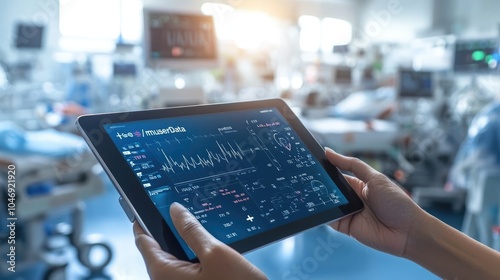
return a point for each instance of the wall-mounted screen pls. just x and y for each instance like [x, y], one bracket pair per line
[28, 36]
[180, 41]
[415, 84]
[476, 56]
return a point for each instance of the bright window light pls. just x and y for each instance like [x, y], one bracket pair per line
[324, 34]
[310, 33]
[216, 10]
[73, 44]
[90, 18]
[131, 23]
[250, 30]
[220, 13]
[334, 32]
[99, 23]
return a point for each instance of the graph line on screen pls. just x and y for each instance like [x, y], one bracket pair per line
[210, 159]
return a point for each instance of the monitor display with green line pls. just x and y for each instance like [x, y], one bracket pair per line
[477, 55]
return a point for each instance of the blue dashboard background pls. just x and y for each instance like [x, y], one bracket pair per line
[239, 173]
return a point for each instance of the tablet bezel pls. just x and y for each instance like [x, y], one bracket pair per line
[93, 130]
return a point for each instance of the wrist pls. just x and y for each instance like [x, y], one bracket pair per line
[434, 245]
[422, 236]
[447, 252]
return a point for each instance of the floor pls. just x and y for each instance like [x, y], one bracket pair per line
[292, 258]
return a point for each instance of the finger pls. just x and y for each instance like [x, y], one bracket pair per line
[195, 235]
[360, 169]
[342, 225]
[149, 248]
[335, 225]
[356, 184]
[345, 225]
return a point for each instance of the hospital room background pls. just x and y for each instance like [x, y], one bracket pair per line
[410, 87]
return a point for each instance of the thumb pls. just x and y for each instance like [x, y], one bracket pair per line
[360, 169]
[195, 235]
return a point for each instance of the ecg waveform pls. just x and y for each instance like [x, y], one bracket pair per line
[224, 154]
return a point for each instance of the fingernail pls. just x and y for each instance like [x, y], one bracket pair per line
[176, 210]
[177, 204]
[181, 210]
[329, 149]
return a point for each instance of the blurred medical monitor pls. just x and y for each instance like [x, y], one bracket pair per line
[342, 76]
[476, 56]
[28, 36]
[179, 41]
[417, 84]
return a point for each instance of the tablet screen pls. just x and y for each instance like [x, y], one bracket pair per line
[240, 173]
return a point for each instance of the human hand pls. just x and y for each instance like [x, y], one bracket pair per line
[386, 221]
[217, 260]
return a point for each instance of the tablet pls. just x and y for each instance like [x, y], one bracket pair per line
[250, 172]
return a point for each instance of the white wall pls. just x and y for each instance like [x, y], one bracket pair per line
[394, 20]
[417, 19]
[479, 18]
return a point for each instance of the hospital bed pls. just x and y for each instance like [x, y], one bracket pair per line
[352, 126]
[348, 136]
[54, 173]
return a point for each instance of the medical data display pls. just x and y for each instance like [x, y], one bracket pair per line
[240, 173]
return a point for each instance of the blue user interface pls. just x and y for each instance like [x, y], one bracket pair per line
[239, 173]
